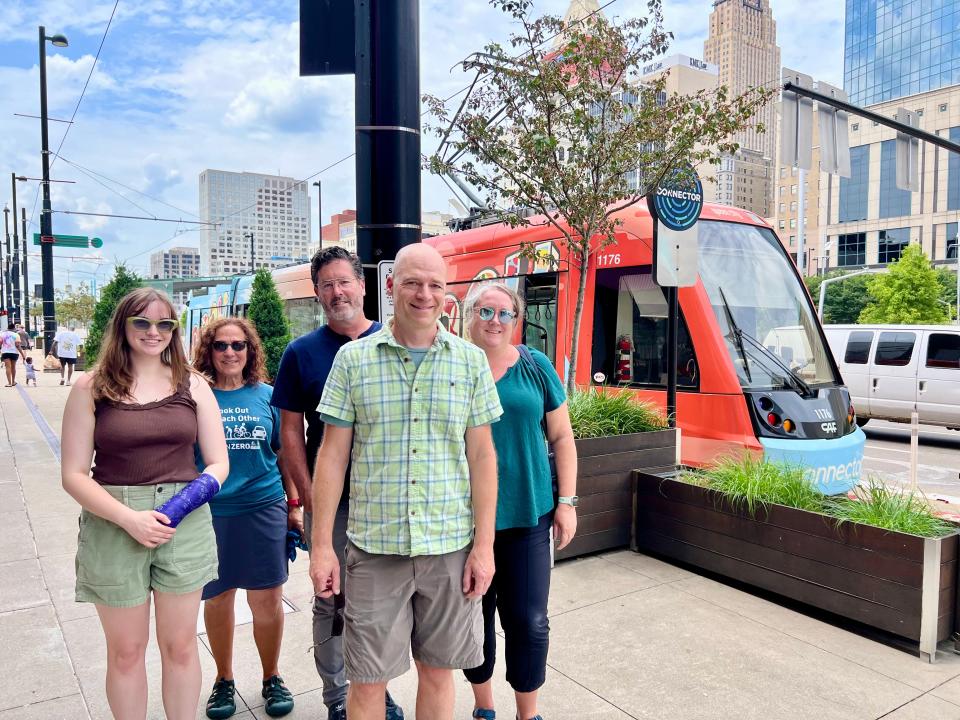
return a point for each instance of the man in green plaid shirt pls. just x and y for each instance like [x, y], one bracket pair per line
[415, 404]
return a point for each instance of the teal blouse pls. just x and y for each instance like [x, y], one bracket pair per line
[525, 492]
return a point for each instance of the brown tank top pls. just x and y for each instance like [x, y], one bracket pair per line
[146, 444]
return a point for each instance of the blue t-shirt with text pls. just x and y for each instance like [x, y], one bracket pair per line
[252, 428]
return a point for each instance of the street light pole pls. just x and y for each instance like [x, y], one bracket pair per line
[26, 280]
[15, 262]
[46, 218]
[7, 296]
[319, 214]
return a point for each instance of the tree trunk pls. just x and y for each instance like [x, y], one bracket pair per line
[584, 256]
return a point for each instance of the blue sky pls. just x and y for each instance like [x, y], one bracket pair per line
[184, 85]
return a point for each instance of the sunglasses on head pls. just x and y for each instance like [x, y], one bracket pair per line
[487, 313]
[236, 345]
[166, 325]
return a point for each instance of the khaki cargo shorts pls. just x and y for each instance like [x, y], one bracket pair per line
[115, 570]
[396, 603]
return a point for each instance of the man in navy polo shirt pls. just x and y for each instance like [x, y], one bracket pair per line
[337, 277]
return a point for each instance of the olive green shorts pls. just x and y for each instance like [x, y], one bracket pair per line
[115, 570]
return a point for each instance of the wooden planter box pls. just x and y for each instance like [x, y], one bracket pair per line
[605, 468]
[903, 584]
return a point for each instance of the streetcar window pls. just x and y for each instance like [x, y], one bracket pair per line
[943, 351]
[858, 348]
[895, 348]
[540, 322]
[630, 332]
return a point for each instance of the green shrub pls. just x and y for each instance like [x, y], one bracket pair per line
[878, 505]
[122, 282]
[598, 414]
[752, 483]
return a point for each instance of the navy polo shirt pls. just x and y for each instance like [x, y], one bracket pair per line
[303, 372]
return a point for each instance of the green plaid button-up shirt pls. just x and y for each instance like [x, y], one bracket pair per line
[410, 483]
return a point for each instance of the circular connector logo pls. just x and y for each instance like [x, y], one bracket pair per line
[678, 202]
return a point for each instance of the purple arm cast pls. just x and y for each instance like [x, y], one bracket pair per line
[194, 495]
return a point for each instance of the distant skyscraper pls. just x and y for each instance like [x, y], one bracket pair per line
[275, 209]
[895, 48]
[742, 42]
[178, 262]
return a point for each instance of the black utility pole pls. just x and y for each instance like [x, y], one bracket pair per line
[46, 219]
[319, 213]
[15, 262]
[253, 268]
[26, 281]
[7, 299]
[387, 127]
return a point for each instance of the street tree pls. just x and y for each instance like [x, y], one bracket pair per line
[844, 301]
[122, 282]
[557, 124]
[907, 293]
[947, 278]
[74, 307]
[266, 314]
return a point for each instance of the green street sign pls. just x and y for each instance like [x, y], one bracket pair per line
[71, 241]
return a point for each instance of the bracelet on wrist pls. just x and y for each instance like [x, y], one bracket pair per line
[294, 503]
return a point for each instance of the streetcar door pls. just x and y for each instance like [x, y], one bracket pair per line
[893, 376]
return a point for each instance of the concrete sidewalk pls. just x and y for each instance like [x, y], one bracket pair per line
[631, 636]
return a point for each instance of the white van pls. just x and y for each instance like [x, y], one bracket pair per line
[892, 370]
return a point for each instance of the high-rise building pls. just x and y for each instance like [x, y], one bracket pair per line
[896, 49]
[178, 262]
[742, 42]
[342, 228]
[685, 76]
[274, 209]
[866, 219]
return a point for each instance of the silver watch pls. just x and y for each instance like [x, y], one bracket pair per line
[573, 500]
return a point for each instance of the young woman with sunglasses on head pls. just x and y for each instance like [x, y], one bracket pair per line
[251, 516]
[532, 396]
[129, 430]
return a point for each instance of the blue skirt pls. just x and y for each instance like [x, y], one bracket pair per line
[252, 550]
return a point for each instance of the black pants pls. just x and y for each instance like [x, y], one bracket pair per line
[519, 592]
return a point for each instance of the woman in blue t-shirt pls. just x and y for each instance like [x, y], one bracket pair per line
[250, 514]
[530, 391]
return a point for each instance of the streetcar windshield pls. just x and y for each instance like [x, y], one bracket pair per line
[765, 315]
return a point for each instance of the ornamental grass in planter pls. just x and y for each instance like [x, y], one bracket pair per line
[882, 558]
[616, 433]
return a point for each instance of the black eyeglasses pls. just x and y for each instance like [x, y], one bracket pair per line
[166, 325]
[236, 345]
[336, 626]
[487, 313]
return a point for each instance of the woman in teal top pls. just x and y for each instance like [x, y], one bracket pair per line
[250, 515]
[529, 391]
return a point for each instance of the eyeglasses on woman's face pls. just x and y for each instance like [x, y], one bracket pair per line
[236, 345]
[505, 316]
[164, 325]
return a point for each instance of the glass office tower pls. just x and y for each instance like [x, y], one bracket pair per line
[894, 48]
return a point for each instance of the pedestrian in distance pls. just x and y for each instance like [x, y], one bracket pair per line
[10, 350]
[337, 277]
[533, 402]
[250, 517]
[414, 404]
[30, 370]
[66, 345]
[24, 337]
[129, 430]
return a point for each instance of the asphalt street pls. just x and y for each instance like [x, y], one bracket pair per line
[887, 455]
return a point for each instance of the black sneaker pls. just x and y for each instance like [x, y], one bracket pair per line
[279, 700]
[394, 711]
[221, 703]
[338, 711]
